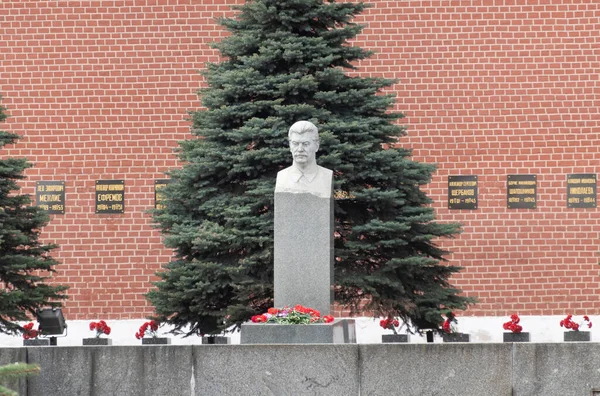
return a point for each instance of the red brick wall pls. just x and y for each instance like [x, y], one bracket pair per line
[100, 90]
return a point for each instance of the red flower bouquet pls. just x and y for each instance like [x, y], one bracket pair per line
[390, 323]
[296, 315]
[513, 324]
[449, 324]
[151, 327]
[29, 332]
[568, 323]
[100, 327]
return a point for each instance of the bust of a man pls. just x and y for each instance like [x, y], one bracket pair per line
[305, 176]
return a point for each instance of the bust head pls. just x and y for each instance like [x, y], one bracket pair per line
[303, 138]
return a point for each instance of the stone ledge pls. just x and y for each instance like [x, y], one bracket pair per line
[340, 331]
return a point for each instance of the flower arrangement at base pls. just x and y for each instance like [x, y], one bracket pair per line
[569, 324]
[150, 327]
[29, 333]
[515, 330]
[390, 323]
[30, 336]
[449, 325]
[573, 333]
[513, 324]
[295, 315]
[450, 331]
[100, 327]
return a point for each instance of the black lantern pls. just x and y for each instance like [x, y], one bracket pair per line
[52, 323]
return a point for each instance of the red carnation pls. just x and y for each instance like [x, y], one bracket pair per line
[259, 318]
[568, 323]
[100, 327]
[389, 323]
[151, 326]
[512, 324]
[29, 332]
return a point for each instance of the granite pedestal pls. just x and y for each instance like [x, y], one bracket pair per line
[340, 331]
[303, 256]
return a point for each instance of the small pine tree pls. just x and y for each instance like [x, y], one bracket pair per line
[285, 61]
[24, 260]
[15, 371]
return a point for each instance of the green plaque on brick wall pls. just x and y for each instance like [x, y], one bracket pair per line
[581, 190]
[521, 191]
[158, 195]
[50, 196]
[462, 192]
[110, 196]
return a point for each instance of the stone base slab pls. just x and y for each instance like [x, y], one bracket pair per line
[577, 336]
[97, 341]
[156, 341]
[340, 331]
[515, 337]
[394, 338]
[215, 340]
[456, 337]
[37, 342]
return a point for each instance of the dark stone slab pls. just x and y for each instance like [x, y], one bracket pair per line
[37, 342]
[216, 340]
[577, 336]
[97, 341]
[515, 337]
[340, 331]
[394, 338]
[156, 341]
[456, 337]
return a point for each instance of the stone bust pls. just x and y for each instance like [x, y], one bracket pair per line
[305, 176]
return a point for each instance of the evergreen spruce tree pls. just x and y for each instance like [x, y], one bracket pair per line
[287, 61]
[12, 372]
[25, 263]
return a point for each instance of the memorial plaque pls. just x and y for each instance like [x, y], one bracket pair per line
[581, 190]
[110, 196]
[158, 195]
[521, 191]
[50, 196]
[462, 192]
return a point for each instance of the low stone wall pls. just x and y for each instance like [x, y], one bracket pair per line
[520, 369]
